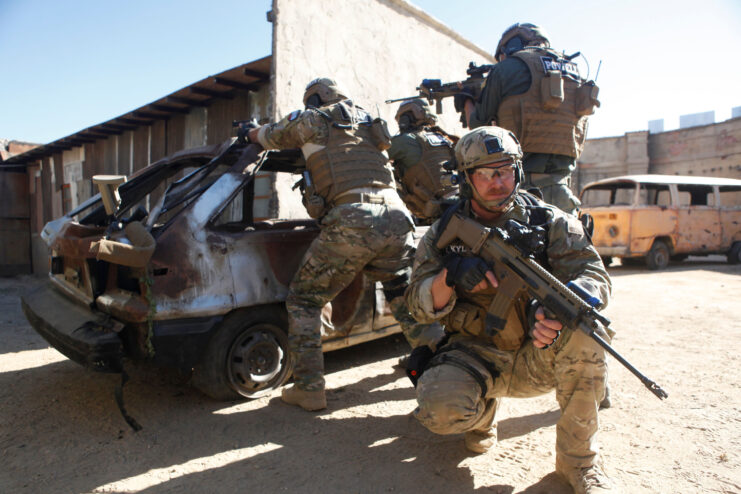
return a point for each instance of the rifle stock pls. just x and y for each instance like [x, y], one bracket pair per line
[518, 273]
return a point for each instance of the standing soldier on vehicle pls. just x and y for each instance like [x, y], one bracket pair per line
[538, 94]
[419, 152]
[349, 187]
[462, 382]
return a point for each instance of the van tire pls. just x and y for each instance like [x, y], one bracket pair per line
[248, 356]
[658, 256]
[734, 254]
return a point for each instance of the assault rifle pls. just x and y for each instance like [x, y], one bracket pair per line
[517, 273]
[435, 90]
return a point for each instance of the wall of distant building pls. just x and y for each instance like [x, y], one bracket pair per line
[712, 150]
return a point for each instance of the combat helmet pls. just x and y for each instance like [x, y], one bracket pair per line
[414, 113]
[518, 36]
[486, 145]
[326, 91]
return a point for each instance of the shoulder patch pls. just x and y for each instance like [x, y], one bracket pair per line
[436, 139]
[293, 115]
[561, 65]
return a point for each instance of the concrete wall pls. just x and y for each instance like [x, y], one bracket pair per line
[710, 150]
[611, 156]
[375, 49]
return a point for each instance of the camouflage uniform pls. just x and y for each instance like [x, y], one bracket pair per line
[450, 398]
[418, 157]
[364, 229]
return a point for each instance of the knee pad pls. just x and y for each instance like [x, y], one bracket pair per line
[463, 358]
[449, 400]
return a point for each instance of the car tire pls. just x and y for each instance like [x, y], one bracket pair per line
[247, 357]
[658, 256]
[607, 260]
[734, 254]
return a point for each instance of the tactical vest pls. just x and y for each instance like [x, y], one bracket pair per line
[546, 118]
[421, 182]
[469, 314]
[351, 158]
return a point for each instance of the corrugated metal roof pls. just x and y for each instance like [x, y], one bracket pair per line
[247, 77]
[667, 179]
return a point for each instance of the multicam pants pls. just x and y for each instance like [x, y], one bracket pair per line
[373, 238]
[555, 189]
[450, 399]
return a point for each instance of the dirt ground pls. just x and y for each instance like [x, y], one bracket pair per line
[61, 432]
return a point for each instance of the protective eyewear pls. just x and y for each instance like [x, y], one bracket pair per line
[504, 172]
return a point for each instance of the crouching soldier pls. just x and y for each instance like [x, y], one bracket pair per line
[470, 372]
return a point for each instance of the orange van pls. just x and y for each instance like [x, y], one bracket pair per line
[658, 218]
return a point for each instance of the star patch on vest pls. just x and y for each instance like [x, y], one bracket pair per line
[294, 115]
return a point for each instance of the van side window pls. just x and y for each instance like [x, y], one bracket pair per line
[730, 197]
[696, 195]
[655, 195]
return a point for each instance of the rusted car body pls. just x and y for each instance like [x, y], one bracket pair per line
[211, 298]
[658, 218]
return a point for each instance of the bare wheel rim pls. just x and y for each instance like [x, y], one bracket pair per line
[255, 360]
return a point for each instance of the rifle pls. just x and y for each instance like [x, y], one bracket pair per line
[517, 272]
[435, 90]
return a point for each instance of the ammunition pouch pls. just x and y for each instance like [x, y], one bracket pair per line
[380, 134]
[586, 99]
[315, 205]
[466, 318]
[551, 90]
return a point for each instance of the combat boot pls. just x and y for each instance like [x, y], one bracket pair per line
[308, 400]
[480, 441]
[586, 480]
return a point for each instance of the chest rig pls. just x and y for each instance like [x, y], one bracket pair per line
[422, 188]
[551, 116]
[352, 157]
[469, 314]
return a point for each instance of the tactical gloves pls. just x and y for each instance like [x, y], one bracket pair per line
[459, 100]
[465, 272]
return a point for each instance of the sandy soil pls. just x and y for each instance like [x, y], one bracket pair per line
[60, 430]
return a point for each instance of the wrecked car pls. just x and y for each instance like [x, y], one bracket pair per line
[658, 218]
[192, 280]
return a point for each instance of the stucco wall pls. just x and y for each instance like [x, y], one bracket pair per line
[376, 49]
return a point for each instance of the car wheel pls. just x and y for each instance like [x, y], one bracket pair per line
[247, 357]
[734, 255]
[607, 260]
[658, 256]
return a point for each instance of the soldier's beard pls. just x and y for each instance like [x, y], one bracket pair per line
[497, 199]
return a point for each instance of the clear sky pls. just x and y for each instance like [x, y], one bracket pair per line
[67, 65]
